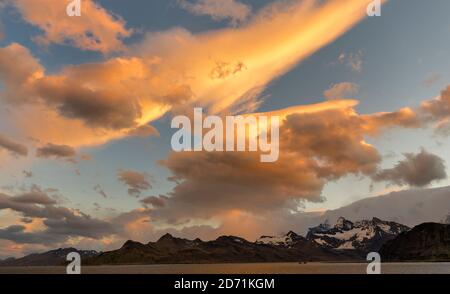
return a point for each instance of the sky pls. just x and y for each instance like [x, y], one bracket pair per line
[86, 105]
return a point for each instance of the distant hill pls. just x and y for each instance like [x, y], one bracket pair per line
[426, 242]
[51, 258]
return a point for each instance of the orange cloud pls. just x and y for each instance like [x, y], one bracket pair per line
[248, 58]
[318, 143]
[94, 103]
[96, 29]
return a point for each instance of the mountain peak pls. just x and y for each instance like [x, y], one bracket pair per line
[232, 239]
[376, 220]
[166, 237]
[292, 234]
[132, 244]
[343, 224]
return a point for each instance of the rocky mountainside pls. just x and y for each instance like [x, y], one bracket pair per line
[361, 237]
[226, 249]
[426, 242]
[50, 258]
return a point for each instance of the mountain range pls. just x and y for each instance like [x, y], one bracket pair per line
[344, 241]
[50, 258]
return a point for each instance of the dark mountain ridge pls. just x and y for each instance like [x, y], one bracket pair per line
[426, 242]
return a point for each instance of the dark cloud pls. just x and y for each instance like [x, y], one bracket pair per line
[417, 170]
[98, 109]
[88, 93]
[136, 181]
[57, 151]
[80, 225]
[18, 234]
[61, 222]
[99, 190]
[13, 147]
[34, 196]
[26, 220]
[155, 201]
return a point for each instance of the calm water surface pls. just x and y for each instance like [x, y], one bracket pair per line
[254, 268]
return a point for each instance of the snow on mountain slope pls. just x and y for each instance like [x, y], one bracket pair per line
[409, 207]
[286, 240]
[363, 236]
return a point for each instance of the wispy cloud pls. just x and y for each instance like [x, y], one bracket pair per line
[341, 90]
[353, 60]
[232, 10]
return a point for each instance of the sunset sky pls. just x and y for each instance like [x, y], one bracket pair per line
[86, 104]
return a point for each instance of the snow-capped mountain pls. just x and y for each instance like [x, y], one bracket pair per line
[362, 236]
